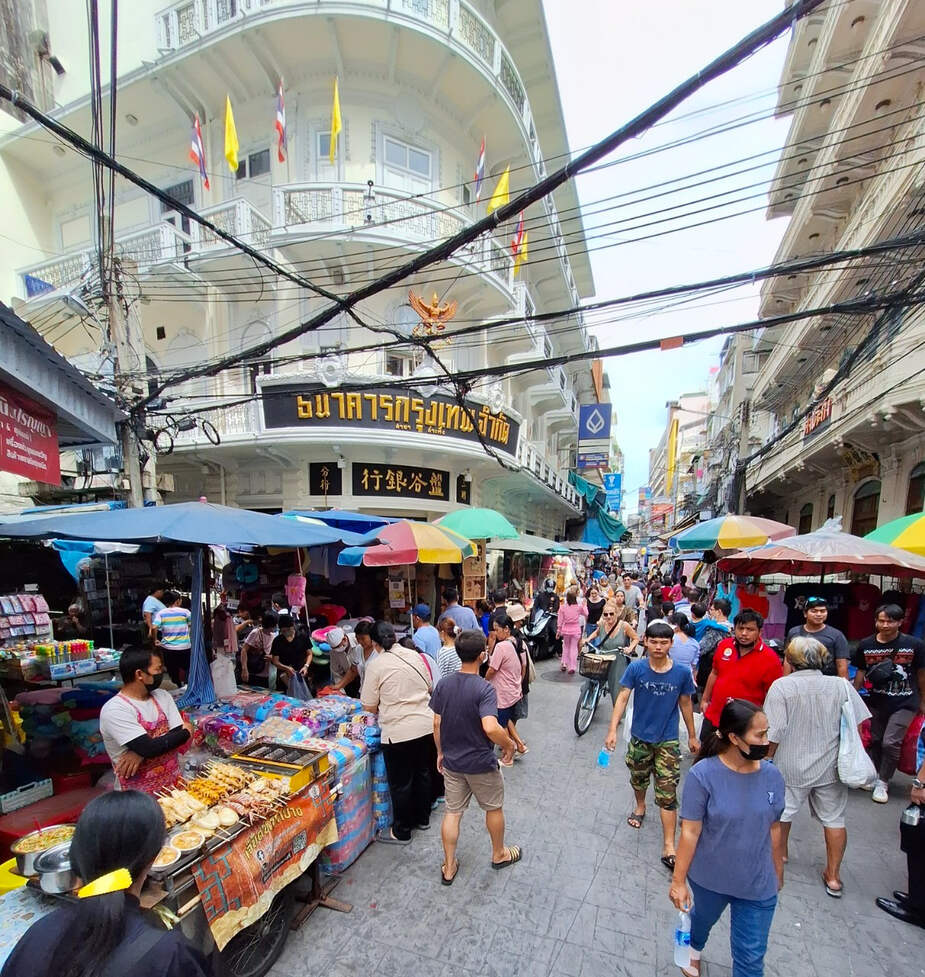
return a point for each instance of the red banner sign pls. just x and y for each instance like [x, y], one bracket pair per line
[237, 882]
[28, 438]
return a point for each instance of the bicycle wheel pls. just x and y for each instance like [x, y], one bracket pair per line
[253, 951]
[587, 705]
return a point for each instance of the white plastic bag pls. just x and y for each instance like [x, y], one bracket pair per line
[855, 768]
[223, 677]
[628, 720]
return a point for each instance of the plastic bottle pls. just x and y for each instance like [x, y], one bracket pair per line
[603, 758]
[682, 940]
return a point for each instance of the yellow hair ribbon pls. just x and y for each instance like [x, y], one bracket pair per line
[111, 882]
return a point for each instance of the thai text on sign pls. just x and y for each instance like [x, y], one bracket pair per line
[28, 438]
[817, 417]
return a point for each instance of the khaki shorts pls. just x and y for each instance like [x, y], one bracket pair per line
[459, 788]
[826, 804]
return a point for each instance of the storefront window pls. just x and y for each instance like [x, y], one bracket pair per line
[806, 519]
[866, 507]
[915, 498]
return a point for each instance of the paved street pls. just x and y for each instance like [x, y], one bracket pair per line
[590, 897]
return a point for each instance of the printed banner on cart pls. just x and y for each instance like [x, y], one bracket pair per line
[28, 438]
[388, 408]
[238, 881]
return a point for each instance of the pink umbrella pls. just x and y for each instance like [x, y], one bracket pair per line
[827, 550]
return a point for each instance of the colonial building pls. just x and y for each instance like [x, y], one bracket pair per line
[852, 173]
[323, 419]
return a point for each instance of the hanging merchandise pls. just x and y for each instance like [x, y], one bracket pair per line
[295, 590]
[246, 574]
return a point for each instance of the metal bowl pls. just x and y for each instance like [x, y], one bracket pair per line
[25, 861]
[54, 867]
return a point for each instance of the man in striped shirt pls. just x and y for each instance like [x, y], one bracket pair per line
[173, 627]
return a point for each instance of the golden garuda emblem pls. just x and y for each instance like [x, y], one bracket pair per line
[434, 316]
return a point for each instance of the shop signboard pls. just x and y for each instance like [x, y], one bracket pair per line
[400, 481]
[818, 419]
[325, 478]
[613, 489]
[238, 880]
[593, 459]
[474, 569]
[28, 438]
[463, 490]
[594, 422]
[390, 409]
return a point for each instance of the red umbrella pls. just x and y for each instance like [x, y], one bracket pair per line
[828, 550]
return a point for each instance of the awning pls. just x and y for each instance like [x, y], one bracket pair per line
[529, 544]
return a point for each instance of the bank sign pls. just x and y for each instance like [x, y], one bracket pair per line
[391, 409]
[28, 438]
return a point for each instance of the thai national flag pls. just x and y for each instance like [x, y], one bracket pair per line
[281, 123]
[480, 171]
[518, 241]
[197, 154]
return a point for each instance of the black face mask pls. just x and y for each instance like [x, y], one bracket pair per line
[155, 682]
[756, 751]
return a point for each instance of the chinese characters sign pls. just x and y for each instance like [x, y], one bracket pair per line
[28, 438]
[325, 478]
[237, 881]
[400, 481]
[388, 408]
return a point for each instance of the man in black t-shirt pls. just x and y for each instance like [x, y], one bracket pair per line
[894, 665]
[291, 651]
[466, 725]
[815, 612]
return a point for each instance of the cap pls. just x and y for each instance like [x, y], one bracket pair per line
[335, 637]
[816, 602]
[516, 612]
[422, 611]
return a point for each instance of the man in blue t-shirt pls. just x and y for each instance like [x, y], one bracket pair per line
[466, 726]
[661, 687]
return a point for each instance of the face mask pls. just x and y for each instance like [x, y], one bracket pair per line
[756, 751]
[155, 682]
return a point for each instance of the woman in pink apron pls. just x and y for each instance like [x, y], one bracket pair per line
[160, 772]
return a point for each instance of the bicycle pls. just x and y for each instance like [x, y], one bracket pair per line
[594, 667]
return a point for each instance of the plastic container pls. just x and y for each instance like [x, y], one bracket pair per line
[682, 940]
[603, 758]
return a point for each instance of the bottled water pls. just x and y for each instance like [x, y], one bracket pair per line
[682, 940]
[603, 758]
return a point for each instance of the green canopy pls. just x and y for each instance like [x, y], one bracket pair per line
[478, 524]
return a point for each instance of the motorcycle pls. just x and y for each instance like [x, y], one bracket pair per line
[540, 633]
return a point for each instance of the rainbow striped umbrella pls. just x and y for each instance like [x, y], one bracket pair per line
[730, 532]
[907, 533]
[405, 542]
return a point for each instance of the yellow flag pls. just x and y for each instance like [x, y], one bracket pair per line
[231, 138]
[336, 122]
[502, 194]
[521, 255]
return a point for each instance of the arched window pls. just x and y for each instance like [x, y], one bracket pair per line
[866, 508]
[806, 519]
[915, 497]
[830, 507]
[253, 333]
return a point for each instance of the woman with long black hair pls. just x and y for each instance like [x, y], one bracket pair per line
[104, 933]
[731, 848]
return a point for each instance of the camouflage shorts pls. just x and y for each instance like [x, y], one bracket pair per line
[663, 760]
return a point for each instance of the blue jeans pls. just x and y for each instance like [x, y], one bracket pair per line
[751, 923]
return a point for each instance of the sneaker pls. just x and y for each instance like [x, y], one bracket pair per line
[880, 794]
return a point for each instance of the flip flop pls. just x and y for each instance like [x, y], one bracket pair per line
[635, 820]
[390, 839]
[834, 893]
[668, 862]
[444, 880]
[516, 853]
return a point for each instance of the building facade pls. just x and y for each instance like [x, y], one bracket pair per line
[325, 418]
[851, 174]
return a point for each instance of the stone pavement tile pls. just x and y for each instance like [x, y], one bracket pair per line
[592, 963]
[530, 946]
[396, 962]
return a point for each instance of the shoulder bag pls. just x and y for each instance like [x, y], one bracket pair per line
[855, 768]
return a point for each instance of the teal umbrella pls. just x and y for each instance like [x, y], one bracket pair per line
[479, 524]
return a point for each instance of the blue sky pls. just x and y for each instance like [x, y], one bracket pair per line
[633, 55]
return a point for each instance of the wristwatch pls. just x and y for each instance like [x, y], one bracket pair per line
[918, 784]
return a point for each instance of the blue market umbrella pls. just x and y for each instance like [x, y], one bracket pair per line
[201, 523]
[354, 522]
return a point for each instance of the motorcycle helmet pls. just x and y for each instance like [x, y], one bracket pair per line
[549, 585]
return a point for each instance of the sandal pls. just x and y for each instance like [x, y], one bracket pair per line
[390, 839]
[831, 890]
[515, 852]
[635, 820]
[448, 881]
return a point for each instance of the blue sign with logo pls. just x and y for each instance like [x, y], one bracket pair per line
[594, 422]
[613, 489]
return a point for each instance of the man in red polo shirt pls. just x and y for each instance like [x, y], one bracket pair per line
[743, 668]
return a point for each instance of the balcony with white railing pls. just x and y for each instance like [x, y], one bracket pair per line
[306, 210]
[237, 217]
[147, 248]
[533, 461]
[233, 425]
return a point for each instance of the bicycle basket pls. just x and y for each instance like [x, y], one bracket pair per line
[595, 666]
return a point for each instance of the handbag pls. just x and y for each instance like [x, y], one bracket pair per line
[908, 753]
[855, 768]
